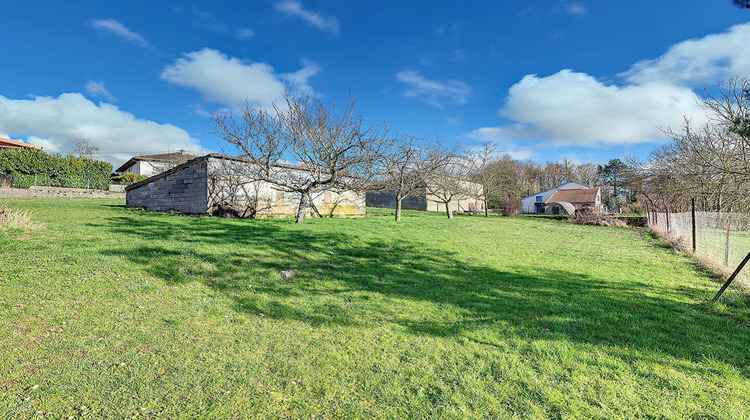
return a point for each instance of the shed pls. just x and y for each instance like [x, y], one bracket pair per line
[197, 185]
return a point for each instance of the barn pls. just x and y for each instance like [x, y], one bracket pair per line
[197, 186]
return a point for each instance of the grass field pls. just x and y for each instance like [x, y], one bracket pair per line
[119, 313]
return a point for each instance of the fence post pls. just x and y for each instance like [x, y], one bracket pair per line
[726, 248]
[731, 278]
[35, 180]
[693, 214]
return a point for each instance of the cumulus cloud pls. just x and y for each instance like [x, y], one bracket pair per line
[232, 81]
[294, 8]
[698, 61]
[54, 122]
[116, 28]
[434, 92]
[97, 90]
[573, 108]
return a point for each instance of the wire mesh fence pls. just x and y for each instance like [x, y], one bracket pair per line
[721, 238]
[27, 181]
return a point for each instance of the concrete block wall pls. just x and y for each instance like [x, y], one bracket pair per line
[182, 189]
[388, 201]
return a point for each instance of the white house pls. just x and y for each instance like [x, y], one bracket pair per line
[150, 165]
[535, 203]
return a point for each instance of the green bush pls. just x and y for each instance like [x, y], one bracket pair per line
[128, 178]
[30, 167]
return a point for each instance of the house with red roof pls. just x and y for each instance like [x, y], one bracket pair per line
[10, 144]
[578, 194]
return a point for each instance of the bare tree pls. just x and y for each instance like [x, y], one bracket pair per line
[331, 147]
[84, 148]
[482, 172]
[408, 162]
[451, 182]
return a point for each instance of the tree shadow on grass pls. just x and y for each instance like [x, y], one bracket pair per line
[343, 279]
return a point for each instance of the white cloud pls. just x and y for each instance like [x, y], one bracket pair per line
[54, 122]
[575, 9]
[575, 108]
[244, 34]
[520, 154]
[114, 27]
[232, 81]
[97, 90]
[572, 108]
[294, 8]
[698, 61]
[434, 92]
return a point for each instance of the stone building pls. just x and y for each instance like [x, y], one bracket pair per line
[196, 186]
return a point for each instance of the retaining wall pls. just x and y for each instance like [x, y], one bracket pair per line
[58, 192]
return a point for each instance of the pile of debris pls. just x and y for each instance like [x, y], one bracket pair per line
[232, 211]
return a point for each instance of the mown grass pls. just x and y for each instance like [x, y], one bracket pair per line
[112, 312]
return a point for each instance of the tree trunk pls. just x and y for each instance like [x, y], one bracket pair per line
[399, 199]
[302, 207]
[486, 209]
[448, 210]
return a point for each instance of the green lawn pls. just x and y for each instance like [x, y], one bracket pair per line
[112, 312]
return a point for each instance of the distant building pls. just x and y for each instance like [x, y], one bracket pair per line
[11, 144]
[468, 201]
[196, 186]
[578, 194]
[149, 165]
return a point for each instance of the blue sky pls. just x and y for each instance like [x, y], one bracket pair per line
[544, 80]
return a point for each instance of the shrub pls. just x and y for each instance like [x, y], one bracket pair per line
[128, 178]
[29, 166]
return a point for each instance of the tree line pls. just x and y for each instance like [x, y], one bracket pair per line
[709, 163]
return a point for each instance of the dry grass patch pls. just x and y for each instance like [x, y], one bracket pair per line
[17, 219]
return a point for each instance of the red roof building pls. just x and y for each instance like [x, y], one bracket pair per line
[9, 144]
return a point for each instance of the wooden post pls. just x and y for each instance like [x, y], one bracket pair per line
[693, 214]
[731, 278]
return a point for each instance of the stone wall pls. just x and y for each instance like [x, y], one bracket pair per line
[182, 189]
[58, 192]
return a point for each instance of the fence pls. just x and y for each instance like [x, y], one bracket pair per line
[27, 181]
[721, 238]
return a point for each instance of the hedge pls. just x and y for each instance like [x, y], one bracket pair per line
[28, 167]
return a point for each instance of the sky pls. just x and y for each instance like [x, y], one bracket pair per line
[544, 80]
